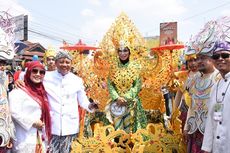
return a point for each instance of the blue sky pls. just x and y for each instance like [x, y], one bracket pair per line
[89, 20]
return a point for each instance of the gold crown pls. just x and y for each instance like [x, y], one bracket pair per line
[123, 35]
[49, 52]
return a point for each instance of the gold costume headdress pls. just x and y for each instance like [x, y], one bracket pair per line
[48, 53]
[122, 37]
[124, 34]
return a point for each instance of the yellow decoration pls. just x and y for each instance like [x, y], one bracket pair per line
[156, 70]
[117, 73]
[189, 57]
[153, 139]
[48, 53]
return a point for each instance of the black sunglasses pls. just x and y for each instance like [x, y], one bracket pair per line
[222, 55]
[41, 72]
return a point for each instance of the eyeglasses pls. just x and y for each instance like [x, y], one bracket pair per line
[41, 72]
[222, 55]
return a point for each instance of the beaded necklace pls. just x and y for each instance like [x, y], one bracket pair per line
[223, 94]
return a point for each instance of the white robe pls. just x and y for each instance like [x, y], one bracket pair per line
[64, 95]
[217, 132]
[25, 111]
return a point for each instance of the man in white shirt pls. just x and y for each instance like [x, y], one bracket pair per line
[65, 91]
[217, 133]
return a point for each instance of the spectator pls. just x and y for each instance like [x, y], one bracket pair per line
[30, 110]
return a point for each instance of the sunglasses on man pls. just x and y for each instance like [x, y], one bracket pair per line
[222, 55]
[36, 71]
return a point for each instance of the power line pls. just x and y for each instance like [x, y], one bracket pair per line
[55, 38]
[206, 11]
[51, 28]
[201, 13]
[53, 32]
[60, 29]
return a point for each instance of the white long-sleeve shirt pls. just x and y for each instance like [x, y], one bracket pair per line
[217, 132]
[64, 95]
[25, 111]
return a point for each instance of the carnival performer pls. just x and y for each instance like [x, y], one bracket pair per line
[7, 52]
[217, 135]
[125, 109]
[49, 60]
[199, 91]
[200, 88]
[30, 111]
[182, 99]
[6, 126]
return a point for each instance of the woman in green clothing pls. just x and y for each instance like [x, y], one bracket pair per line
[125, 110]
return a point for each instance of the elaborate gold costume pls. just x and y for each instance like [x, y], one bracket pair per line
[124, 81]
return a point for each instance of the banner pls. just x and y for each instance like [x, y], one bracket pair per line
[21, 27]
[168, 33]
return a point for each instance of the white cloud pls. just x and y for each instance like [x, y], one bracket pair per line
[12, 7]
[87, 12]
[95, 2]
[162, 8]
[97, 28]
[143, 13]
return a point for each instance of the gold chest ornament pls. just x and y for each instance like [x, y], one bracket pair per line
[123, 76]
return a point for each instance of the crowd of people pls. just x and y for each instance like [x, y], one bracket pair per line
[44, 107]
[206, 90]
[41, 114]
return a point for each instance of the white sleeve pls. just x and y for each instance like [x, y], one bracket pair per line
[82, 98]
[209, 125]
[16, 101]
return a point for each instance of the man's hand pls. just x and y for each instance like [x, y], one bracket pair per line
[93, 104]
[38, 124]
[10, 144]
[19, 84]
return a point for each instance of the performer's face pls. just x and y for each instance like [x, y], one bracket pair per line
[63, 65]
[192, 64]
[124, 54]
[205, 63]
[51, 63]
[222, 61]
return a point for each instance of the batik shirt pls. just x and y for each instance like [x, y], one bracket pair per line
[200, 93]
